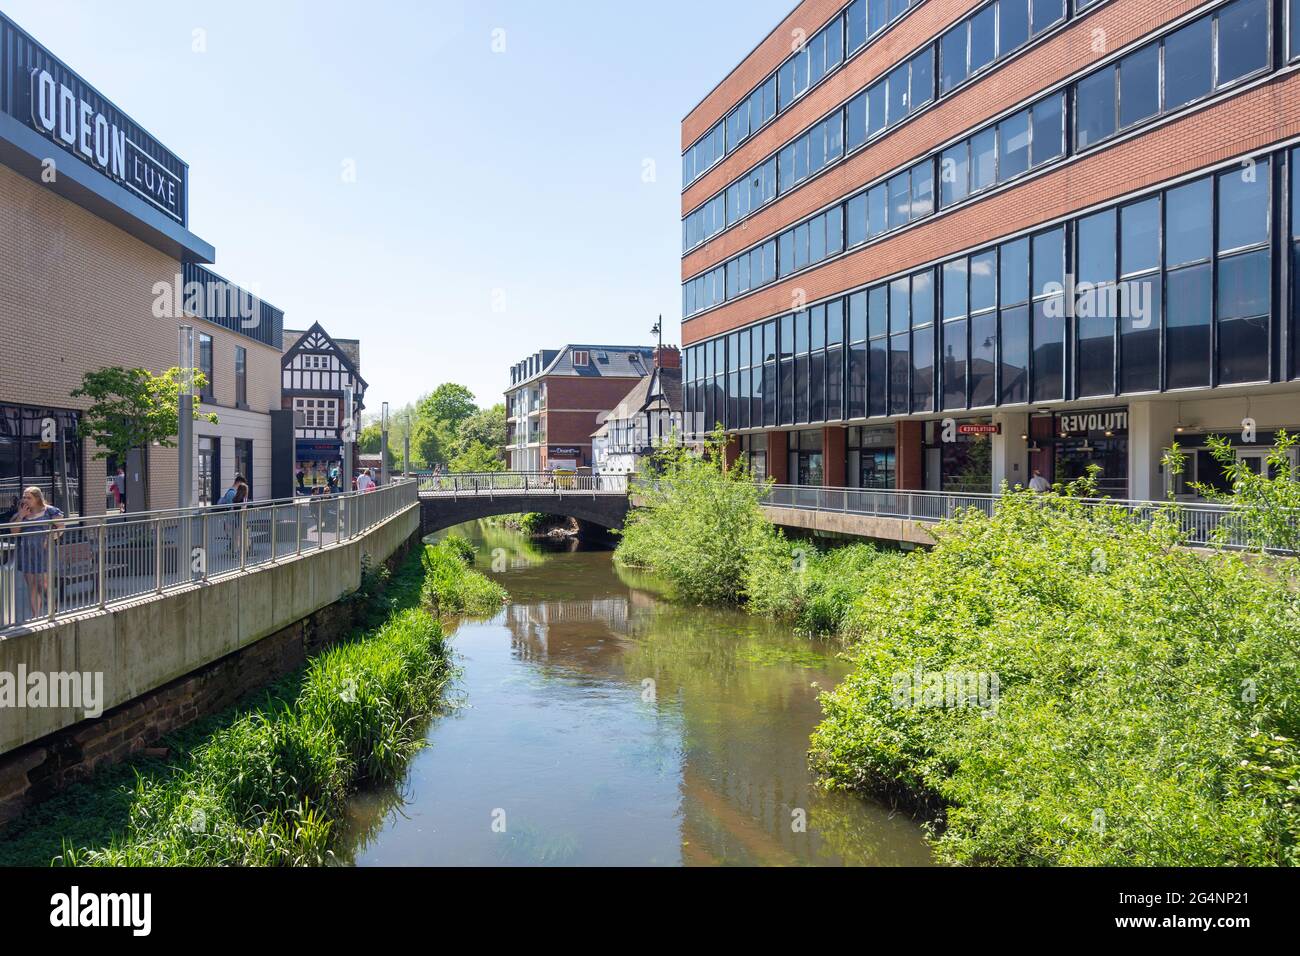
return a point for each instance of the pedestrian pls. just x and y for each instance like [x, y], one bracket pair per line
[364, 481]
[119, 479]
[33, 544]
[110, 493]
[1038, 484]
[301, 477]
[234, 497]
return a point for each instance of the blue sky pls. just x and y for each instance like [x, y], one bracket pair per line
[499, 204]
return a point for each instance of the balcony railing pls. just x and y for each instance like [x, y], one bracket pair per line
[81, 564]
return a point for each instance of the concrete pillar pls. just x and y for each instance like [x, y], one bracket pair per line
[1150, 431]
[778, 457]
[1010, 450]
[835, 441]
[910, 451]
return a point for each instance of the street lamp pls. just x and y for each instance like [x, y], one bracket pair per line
[383, 445]
[406, 444]
[185, 411]
[349, 434]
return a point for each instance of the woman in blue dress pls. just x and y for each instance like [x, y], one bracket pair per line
[33, 547]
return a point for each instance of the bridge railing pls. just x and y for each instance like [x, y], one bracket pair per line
[1200, 523]
[86, 563]
[540, 483]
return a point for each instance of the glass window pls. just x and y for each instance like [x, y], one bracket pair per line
[899, 366]
[1096, 355]
[876, 108]
[900, 305]
[922, 189]
[857, 121]
[1096, 252]
[1293, 18]
[816, 239]
[954, 289]
[1189, 63]
[857, 219]
[983, 159]
[1243, 39]
[1095, 107]
[834, 230]
[1243, 326]
[983, 359]
[1140, 236]
[1188, 224]
[954, 174]
[1140, 335]
[1013, 24]
[923, 298]
[1013, 147]
[1139, 85]
[1015, 355]
[241, 376]
[1013, 262]
[923, 370]
[922, 79]
[878, 311]
[856, 17]
[1047, 12]
[897, 94]
[952, 57]
[877, 203]
[1049, 129]
[983, 281]
[1243, 206]
[983, 38]
[900, 200]
[1048, 369]
[1187, 320]
[205, 366]
[857, 317]
[954, 364]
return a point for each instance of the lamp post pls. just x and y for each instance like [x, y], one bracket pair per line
[349, 435]
[406, 445]
[383, 445]
[185, 410]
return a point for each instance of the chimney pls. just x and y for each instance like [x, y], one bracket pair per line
[667, 356]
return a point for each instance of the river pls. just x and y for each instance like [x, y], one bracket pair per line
[592, 723]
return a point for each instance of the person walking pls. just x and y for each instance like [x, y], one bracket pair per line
[364, 481]
[1038, 484]
[234, 497]
[119, 480]
[41, 519]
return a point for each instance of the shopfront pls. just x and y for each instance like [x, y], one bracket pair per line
[806, 458]
[959, 455]
[1063, 447]
[872, 459]
[39, 446]
[1202, 469]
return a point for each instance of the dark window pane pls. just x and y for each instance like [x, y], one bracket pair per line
[923, 370]
[1243, 206]
[856, 17]
[1047, 12]
[1140, 336]
[1188, 226]
[1013, 146]
[1049, 129]
[1049, 350]
[983, 359]
[786, 408]
[834, 384]
[922, 79]
[1014, 267]
[801, 388]
[983, 38]
[878, 378]
[1013, 25]
[1140, 236]
[1189, 63]
[954, 364]
[1243, 318]
[897, 94]
[1096, 358]
[857, 407]
[817, 387]
[1096, 238]
[899, 365]
[1095, 108]
[1243, 39]
[952, 57]
[1187, 320]
[857, 118]
[983, 281]
[1139, 85]
[1015, 355]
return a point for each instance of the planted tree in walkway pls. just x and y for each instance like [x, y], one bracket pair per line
[133, 408]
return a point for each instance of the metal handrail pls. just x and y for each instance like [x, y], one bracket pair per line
[540, 483]
[91, 562]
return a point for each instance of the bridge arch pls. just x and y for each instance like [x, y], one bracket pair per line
[439, 513]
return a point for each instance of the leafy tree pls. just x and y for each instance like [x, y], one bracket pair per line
[133, 408]
[371, 439]
[478, 458]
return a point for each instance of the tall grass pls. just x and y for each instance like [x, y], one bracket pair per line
[452, 586]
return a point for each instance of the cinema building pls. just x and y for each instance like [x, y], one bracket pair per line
[98, 268]
[944, 243]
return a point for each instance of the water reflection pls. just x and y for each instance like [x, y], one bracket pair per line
[602, 726]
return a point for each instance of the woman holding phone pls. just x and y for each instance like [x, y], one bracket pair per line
[36, 518]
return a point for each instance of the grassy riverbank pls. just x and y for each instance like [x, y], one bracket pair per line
[1054, 684]
[265, 783]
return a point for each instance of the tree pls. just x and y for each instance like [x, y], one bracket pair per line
[371, 439]
[478, 457]
[133, 408]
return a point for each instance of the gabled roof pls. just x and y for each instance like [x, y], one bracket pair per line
[663, 386]
[604, 361]
[316, 339]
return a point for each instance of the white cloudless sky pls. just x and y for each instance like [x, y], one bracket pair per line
[499, 203]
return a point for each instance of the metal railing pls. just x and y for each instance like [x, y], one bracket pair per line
[540, 483]
[1198, 522]
[84, 563]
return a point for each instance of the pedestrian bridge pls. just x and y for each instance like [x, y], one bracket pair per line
[449, 500]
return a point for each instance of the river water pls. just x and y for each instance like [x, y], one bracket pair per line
[595, 724]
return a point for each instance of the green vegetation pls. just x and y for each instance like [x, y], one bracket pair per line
[447, 430]
[133, 408]
[452, 586]
[263, 783]
[1146, 703]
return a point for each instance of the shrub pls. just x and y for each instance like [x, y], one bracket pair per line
[1147, 699]
[813, 589]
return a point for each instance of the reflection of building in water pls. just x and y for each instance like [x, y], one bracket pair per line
[529, 624]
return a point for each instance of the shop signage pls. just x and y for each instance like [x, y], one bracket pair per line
[564, 451]
[88, 132]
[1081, 423]
[973, 428]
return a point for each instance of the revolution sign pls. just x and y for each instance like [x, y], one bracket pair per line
[83, 129]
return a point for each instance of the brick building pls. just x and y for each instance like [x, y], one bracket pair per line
[945, 243]
[98, 268]
[557, 397]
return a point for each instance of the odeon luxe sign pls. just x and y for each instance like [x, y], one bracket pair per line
[86, 131]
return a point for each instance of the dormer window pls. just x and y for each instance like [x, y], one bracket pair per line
[581, 359]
